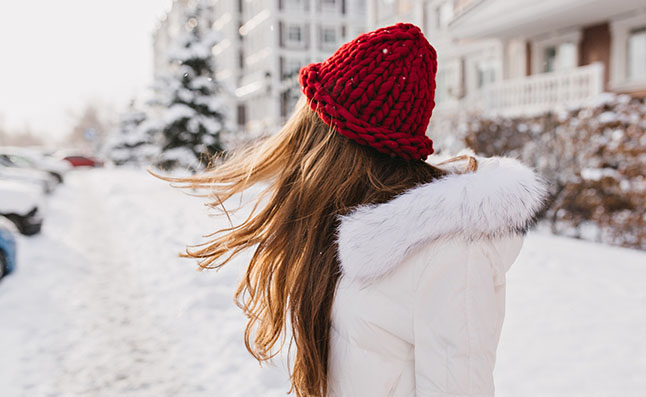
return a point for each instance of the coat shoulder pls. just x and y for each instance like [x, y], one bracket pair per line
[501, 198]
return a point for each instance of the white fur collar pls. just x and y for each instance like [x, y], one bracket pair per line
[502, 197]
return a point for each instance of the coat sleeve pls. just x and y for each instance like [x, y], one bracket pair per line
[459, 308]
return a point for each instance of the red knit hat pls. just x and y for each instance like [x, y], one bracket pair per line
[378, 90]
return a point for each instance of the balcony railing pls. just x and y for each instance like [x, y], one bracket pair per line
[536, 93]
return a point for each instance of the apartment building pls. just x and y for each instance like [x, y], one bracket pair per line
[229, 56]
[278, 37]
[263, 44]
[525, 56]
[498, 56]
[455, 59]
[558, 52]
[167, 31]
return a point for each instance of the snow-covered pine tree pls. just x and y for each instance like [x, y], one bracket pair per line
[193, 116]
[133, 141]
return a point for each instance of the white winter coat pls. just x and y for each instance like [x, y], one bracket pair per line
[419, 308]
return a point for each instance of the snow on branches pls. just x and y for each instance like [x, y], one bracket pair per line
[132, 142]
[184, 120]
[594, 158]
[193, 117]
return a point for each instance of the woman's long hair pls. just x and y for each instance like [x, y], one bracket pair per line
[313, 175]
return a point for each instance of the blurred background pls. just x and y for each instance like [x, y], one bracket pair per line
[92, 93]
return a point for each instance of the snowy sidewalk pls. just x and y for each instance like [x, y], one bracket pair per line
[576, 321]
[102, 306]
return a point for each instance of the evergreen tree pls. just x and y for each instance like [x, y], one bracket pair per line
[193, 117]
[133, 141]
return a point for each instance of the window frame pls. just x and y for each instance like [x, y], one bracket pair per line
[638, 31]
[290, 39]
[620, 30]
[540, 48]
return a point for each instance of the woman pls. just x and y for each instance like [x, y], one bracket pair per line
[387, 273]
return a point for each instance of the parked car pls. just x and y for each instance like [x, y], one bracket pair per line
[83, 161]
[31, 158]
[41, 179]
[7, 248]
[20, 203]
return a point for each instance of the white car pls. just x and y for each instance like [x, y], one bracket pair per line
[20, 203]
[41, 179]
[31, 158]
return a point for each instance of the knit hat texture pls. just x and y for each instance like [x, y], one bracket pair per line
[378, 90]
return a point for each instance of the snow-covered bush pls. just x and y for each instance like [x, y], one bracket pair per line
[594, 159]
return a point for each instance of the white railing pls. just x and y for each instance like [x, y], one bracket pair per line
[538, 93]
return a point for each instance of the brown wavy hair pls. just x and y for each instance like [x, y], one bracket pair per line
[313, 176]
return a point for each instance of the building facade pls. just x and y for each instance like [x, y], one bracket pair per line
[165, 34]
[229, 56]
[497, 56]
[552, 53]
[522, 57]
[263, 44]
[278, 37]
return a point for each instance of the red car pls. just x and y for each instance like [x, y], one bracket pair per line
[83, 161]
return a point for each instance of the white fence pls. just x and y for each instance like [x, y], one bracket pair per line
[536, 93]
[526, 96]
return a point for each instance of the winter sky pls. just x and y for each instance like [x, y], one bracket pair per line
[57, 55]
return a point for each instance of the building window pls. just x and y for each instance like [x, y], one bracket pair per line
[549, 58]
[486, 72]
[568, 57]
[294, 34]
[560, 57]
[441, 90]
[288, 101]
[637, 54]
[628, 53]
[328, 37]
[242, 115]
[284, 99]
[290, 67]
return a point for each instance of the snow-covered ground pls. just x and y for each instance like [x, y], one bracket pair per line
[102, 306]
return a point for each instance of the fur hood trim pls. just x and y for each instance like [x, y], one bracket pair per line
[502, 197]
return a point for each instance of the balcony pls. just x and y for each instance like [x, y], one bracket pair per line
[533, 94]
[478, 19]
